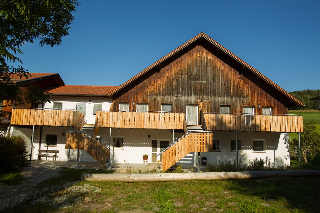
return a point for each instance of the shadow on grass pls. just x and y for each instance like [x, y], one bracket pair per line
[63, 189]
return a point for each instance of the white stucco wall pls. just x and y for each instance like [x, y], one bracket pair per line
[137, 142]
[69, 103]
[274, 144]
[26, 133]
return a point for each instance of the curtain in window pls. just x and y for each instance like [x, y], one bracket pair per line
[97, 107]
[142, 107]
[81, 107]
[124, 107]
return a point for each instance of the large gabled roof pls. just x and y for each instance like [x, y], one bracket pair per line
[223, 49]
[82, 90]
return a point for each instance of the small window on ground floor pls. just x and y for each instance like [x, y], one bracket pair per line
[233, 145]
[258, 145]
[215, 145]
[118, 142]
[51, 139]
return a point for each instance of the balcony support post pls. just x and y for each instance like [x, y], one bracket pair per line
[32, 139]
[299, 150]
[172, 135]
[237, 161]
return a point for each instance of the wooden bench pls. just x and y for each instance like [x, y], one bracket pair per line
[48, 153]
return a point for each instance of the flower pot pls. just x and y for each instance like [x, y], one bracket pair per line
[145, 157]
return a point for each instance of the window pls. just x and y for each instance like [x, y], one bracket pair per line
[258, 145]
[96, 107]
[51, 139]
[81, 107]
[118, 142]
[233, 145]
[142, 108]
[224, 109]
[57, 106]
[124, 107]
[266, 111]
[166, 107]
[215, 145]
[248, 110]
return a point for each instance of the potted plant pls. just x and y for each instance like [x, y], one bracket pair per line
[145, 157]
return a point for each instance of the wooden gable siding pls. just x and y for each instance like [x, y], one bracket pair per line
[197, 76]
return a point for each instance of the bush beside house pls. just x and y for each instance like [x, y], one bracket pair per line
[13, 153]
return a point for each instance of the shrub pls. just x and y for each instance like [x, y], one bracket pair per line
[13, 153]
[256, 165]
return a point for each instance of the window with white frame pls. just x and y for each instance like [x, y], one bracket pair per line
[142, 108]
[216, 145]
[96, 107]
[233, 145]
[258, 145]
[117, 142]
[124, 107]
[266, 111]
[224, 109]
[166, 107]
[57, 106]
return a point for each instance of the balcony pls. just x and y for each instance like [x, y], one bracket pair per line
[140, 120]
[45, 117]
[253, 123]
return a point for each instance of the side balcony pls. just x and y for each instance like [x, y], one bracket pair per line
[141, 120]
[46, 117]
[253, 123]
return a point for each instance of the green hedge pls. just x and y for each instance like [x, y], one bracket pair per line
[13, 153]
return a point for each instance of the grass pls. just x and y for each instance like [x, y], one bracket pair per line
[308, 115]
[279, 194]
[10, 178]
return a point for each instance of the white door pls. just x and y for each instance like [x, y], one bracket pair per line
[192, 114]
[157, 147]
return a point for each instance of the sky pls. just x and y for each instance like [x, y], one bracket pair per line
[111, 41]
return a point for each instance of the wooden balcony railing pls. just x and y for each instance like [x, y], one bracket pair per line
[141, 120]
[45, 117]
[258, 123]
[78, 140]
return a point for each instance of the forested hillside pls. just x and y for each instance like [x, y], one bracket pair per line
[305, 96]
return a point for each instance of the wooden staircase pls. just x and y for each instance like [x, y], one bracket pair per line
[84, 139]
[191, 142]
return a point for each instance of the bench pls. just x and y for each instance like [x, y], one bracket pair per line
[48, 153]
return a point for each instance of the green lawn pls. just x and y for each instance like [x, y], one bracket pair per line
[280, 194]
[308, 115]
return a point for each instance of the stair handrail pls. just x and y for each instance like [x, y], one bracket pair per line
[173, 144]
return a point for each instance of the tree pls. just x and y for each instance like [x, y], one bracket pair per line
[310, 141]
[23, 21]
